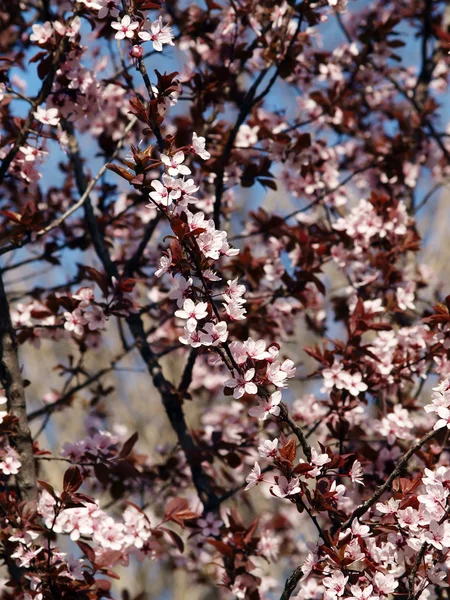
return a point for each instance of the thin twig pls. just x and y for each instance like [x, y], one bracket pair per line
[46, 88]
[364, 507]
[296, 429]
[84, 196]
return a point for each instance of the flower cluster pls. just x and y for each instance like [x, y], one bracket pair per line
[126, 28]
[224, 314]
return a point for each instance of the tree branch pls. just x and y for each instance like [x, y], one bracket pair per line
[294, 578]
[296, 429]
[133, 263]
[84, 196]
[291, 584]
[245, 109]
[170, 398]
[12, 381]
[45, 90]
[186, 378]
[364, 507]
[247, 105]
[155, 128]
[412, 575]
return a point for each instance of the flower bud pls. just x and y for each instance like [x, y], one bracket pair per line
[136, 51]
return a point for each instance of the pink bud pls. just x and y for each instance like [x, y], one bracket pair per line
[136, 51]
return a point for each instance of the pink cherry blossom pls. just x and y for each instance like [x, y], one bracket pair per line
[9, 462]
[125, 28]
[24, 557]
[174, 164]
[335, 376]
[199, 146]
[405, 299]
[31, 154]
[256, 350]
[95, 318]
[86, 295]
[210, 525]
[266, 407]
[242, 384]
[41, 33]
[276, 375]
[75, 322]
[362, 594]
[193, 313]
[357, 473]
[108, 8]
[247, 136]
[235, 311]
[162, 195]
[409, 518]
[159, 34]
[286, 487]
[268, 448]
[444, 420]
[385, 583]
[181, 290]
[214, 334]
[335, 584]
[191, 338]
[254, 478]
[165, 263]
[355, 384]
[438, 535]
[47, 117]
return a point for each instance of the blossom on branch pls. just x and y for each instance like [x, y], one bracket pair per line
[125, 28]
[159, 34]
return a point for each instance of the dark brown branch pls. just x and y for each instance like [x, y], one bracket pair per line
[169, 395]
[12, 381]
[430, 193]
[296, 429]
[186, 378]
[50, 408]
[275, 76]
[364, 507]
[335, 188]
[413, 574]
[154, 126]
[172, 404]
[292, 581]
[245, 109]
[428, 61]
[67, 394]
[249, 102]
[425, 120]
[291, 584]
[133, 263]
[118, 73]
[89, 187]
[69, 244]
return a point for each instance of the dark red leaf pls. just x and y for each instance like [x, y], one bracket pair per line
[72, 479]
[128, 446]
[87, 551]
[48, 488]
[178, 511]
[175, 538]
[221, 547]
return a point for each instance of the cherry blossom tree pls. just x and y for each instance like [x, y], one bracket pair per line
[224, 301]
